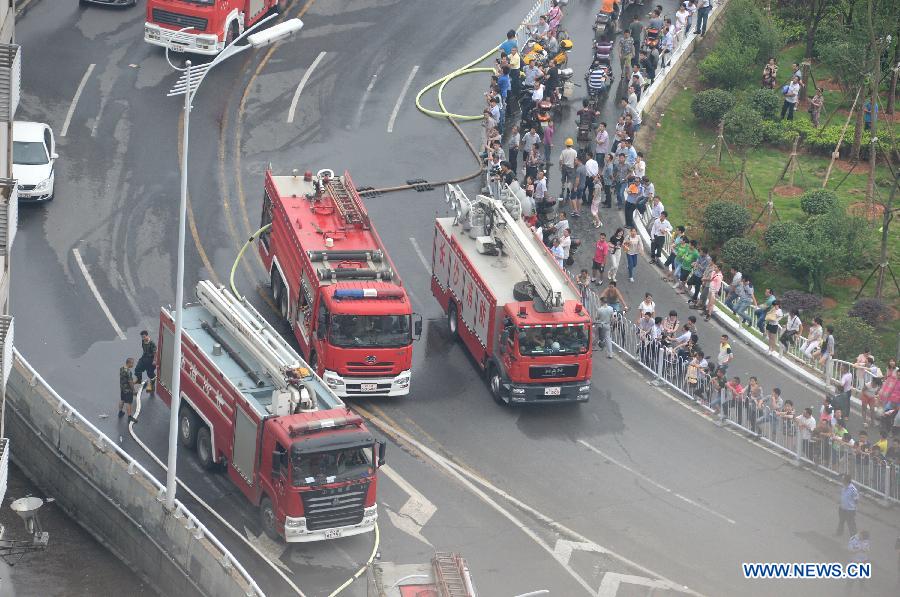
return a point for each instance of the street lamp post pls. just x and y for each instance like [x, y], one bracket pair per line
[187, 85]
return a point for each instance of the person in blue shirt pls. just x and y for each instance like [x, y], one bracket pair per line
[869, 114]
[503, 82]
[510, 43]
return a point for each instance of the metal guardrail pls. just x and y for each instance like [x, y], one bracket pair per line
[135, 467]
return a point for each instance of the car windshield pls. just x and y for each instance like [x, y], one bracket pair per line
[370, 331]
[570, 339]
[328, 467]
[29, 153]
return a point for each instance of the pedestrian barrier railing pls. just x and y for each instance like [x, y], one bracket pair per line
[539, 8]
[136, 468]
[776, 428]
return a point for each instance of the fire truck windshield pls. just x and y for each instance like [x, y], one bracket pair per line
[370, 331]
[313, 468]
[544, 341]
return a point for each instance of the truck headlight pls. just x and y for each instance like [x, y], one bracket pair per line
[583, 389]
[402, 381]
[295, 523]
[332, 380]
[518, 390]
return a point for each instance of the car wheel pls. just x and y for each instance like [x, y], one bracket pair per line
[494, 382]
[267, 519]
[204, 449]
[187, 428]
[453, 321]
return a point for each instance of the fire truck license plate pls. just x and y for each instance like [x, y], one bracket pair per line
[369, 387]
[552, 391]
[333, 533]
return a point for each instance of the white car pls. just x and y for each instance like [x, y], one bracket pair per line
[34, 155]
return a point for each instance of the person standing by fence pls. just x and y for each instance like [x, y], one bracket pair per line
[847, 508]
[634, 246]
[603, 318]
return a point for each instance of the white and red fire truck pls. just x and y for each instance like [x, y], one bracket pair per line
[202, 26]
[513, 307]
[334, 282]
[251, 405]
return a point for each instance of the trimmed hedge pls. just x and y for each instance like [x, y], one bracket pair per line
[870, 310]
[765, 101]
[779, 230]
[742, 254]
[723, 220]
[710, 105]
[818, 202]
[743, 127]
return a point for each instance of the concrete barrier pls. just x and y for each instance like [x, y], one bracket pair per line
[113, 496]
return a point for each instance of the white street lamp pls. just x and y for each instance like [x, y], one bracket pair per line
[187, 85]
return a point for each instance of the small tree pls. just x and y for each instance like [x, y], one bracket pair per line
[777, 230]
[743, 127]
[710, 105]
[723, 220]
[818, 202]
[765, 101]
[742, 254]
[802, 301]
[852, 336]
[870, 310]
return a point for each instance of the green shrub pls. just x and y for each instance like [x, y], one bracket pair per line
[742, 254]
[756, 33]
[729, 65]
[818, 202]
[723, 220]
[870, 310]
[765, 101]
[775, 133]
[779, 230]
[743, 127]
[710, 105]
[852, 336]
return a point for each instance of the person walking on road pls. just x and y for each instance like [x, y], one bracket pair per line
[615, 253]
[126, 389]
[847, 508]
[600, 254]
[633, 248]
[567, 169]
[603, 317]
[626, 51]
[147, 362]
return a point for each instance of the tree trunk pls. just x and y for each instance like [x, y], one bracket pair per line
[892, 91]
[873, 99]
[857, 134]
[886, 218]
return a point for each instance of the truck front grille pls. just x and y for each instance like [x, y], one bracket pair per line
[380, 367]
[552, 371]
[338, 507]
[178, 20]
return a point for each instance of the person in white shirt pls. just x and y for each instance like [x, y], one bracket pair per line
[640, 166]
[656, 207]
[791, 93]
[540, 187]
[807, 424]
[792, 329]
[814, 339]
[647, 306]
[558, 253]
[601, 143]
[565, 242]
[567, 168]
[658, 232]
[562, 224]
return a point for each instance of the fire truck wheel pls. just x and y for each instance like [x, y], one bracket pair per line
[187, 428]
[453, 321]
[494, 381]
[204, 449]
[267, 519]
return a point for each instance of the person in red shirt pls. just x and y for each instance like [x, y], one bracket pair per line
[600, 254]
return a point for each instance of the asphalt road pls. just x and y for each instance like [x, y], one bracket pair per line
[632, 483]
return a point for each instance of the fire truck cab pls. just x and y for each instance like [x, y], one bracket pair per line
[335, 284]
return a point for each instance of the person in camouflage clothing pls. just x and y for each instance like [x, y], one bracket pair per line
[126, 389]
[147, 362]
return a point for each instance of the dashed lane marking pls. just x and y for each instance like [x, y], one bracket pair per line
[93, 287]
[396, 110]
[71, 112]
[302, 84]
[421, 255]
[365, 97]
[656, 484]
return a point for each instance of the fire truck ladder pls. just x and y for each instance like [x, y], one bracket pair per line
[452, 575]
[347, 203]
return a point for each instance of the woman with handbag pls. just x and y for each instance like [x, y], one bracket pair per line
[615, 253]
[773, 316]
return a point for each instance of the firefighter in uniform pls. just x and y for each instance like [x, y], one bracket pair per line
[126, 389]
[147, 362]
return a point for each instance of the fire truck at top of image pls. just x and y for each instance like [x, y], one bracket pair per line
[334, 283]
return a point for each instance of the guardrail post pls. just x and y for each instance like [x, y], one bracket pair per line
[799, 450]
[886, 477]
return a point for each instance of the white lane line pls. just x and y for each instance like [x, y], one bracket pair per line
[362, 103]
[68, 120]
[647, 479]
[417, 510]
[403, 91]
[302, 84]
[469, 480]
[93, 287]
[421, 255]
[609, 586]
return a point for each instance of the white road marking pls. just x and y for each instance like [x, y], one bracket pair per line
[403, 91]
[272, 550]
[647, 479]
[68, 120]
[421, 255]
[417, 510]
[302, 84]
[362, 103]
[97, 119]
[563, 549]
[609, 586]
[469, 480]
[93, 287]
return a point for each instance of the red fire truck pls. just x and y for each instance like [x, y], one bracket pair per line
[513, 307]
[250, 405]
[333, 281]
[202, 26]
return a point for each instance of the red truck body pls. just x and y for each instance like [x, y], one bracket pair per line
[286, 462]
[202, 26]
[334, 282]
[529, 353]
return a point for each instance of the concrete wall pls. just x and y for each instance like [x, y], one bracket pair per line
[112, 496]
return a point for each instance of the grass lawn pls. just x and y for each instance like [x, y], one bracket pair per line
[675, 155]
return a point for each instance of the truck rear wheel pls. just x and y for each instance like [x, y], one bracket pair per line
[453, 320]
[204, 449]
[187, 427]
[267, 519]
[494, 382]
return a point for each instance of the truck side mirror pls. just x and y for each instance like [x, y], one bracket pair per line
[417, 326]
[382, 447]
